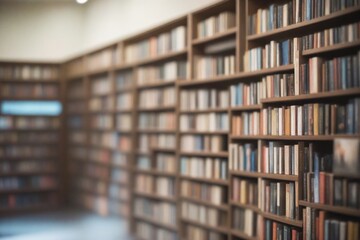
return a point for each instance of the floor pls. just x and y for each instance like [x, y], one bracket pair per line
[66, 224]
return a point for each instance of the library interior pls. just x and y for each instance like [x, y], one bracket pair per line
[179, 119]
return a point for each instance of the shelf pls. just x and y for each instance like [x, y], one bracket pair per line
[209, 110]
[143, 130]
[41, 207]
[223, 230]
[330, 49]
[247, 206]
[156, 196]
[246, 108]
[28, 190]
[123, 90]
[14, 98]
[265, 175]
[161, 149]
[29, 143]
[224, 132]
[159, 84]
[37, 173]
[155, 172]
[222, 207]
[334, 209]
[31, 81]
[98, 71]
[270, 35]
[296, 138]
[161, 58]
[28, 158]
[157, 109]
[313, 96]
[282, 219]
[206, 180]
[227, 33]
[238, 76]
[205, 154]
[156, 223]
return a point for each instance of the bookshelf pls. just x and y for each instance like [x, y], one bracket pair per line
[191, 127]
[30, 141]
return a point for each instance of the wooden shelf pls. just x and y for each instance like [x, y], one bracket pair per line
[206, 180]
[334, 209]
[31, 81]
[222, 207]
[313, 97]
[282, 219]
[155, 172]
[143, 130]
[210, 110]
[165, 83]
[156, 196]
[15, 98]
[205, 154]
[157, 109]
[22, 209]
[264, 175]
[245, 206]
[156, 223]
[205, 132]
[269, 35]
[101, 71]
[206, 226]
[28, 190]
[296, 138]
[331, 49]
[228, 33]
[246, 108]
[17, 173]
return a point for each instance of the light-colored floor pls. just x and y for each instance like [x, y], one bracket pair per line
[66, 224]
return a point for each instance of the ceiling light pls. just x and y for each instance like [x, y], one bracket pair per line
[81, 1]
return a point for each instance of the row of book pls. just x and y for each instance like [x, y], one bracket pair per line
[99, 155]
[273, 230]
[149, 232]
[76, 121]
[331, 36]
[162, 186]
[204, 98]
[281, 158]
[123, 122]
[245, 94]
[106, 139]
[102, 121]
[165, 162]
[76, 89]
[75, 68]
[143, 162]
[38, 90]
[90, 185]
[165, 72]
[214, 65]
[27, 166]
[90, 170]
[204, 122]
[77, 152]
[9, 122]
[273, 54]
[8, 183]
[118, 208]
[211, 168]
[18, 151]
[28, 137]
[101, 85]
[339, 73]
[76, 107]
[119, 176]
[280, 198]
[164, 43]
[203, 143]
[149, 141]
[244, 191]
[164, 120]
[245, 221]
[246, 123]
[216, 24]
[29, 72]
[243, 157]
[124, 80]
[321, 225]
[100, 104]
[23, 200]
[203, 214]
[324, 188]
[117, 192]
[273, 16]
[162, 212]
[99, 204]
[214, 194]
[153, 98]
[279, 85]
[124, 101]
[120, 159]
[312, 119]
[277, 16]
[103, 59]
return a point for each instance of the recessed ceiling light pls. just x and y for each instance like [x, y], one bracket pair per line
[81, 1]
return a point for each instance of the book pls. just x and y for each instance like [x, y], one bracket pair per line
[346, 156]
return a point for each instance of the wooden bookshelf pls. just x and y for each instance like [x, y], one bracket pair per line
[200, 49]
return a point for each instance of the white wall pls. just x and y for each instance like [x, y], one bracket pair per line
[41, 31]
[58, 29]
